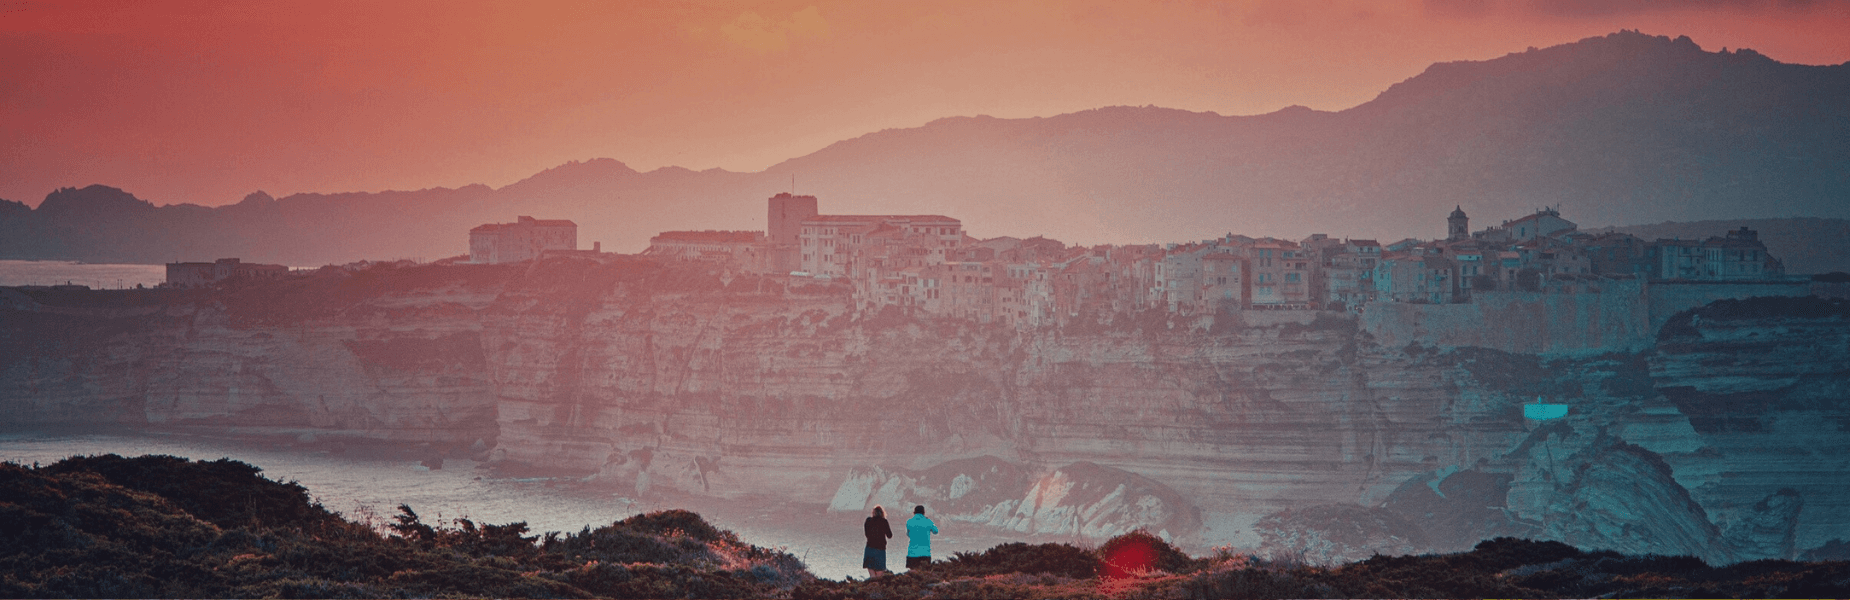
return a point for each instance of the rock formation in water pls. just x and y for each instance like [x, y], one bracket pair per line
[1722, 439]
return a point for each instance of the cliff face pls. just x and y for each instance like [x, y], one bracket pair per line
[334, 356]
[1723, 440]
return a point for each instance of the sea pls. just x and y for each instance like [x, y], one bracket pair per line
[369, 490]
[96, 276]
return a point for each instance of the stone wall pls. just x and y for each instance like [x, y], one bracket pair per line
[1671, 297]
[1615, 319]
[1623, 316]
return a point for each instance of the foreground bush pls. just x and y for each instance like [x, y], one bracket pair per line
[160, 526]
[1139, 565]
[1053, 559]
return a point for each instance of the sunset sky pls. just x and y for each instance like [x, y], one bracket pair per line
[206, 101]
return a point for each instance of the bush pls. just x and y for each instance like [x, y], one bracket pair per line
[675, 523]
[1015, 557]
[1505, 553]
[1138, 553]
[160, 526]
[201, 489]
[113, 526]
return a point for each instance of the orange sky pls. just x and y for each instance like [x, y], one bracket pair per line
[205, 101]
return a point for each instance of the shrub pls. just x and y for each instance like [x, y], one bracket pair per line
[674, 523]
[1138, 553]
[114, 526]
[104, 526]
[1016, 557]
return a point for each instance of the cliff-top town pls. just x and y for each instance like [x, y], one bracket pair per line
[930, 265]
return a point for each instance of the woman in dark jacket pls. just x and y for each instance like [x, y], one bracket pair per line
[877, 533]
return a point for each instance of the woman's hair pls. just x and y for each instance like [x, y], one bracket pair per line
[879, 512]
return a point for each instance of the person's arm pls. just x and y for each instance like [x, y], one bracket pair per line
[887, 528]
[934, 526]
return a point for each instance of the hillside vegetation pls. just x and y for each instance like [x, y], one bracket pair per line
[160, 526]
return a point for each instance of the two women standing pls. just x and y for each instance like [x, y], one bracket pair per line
[918, 533]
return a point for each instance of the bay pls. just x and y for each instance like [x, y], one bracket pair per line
[97, 276]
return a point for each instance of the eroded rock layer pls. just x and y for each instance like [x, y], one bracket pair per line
[1725, 440]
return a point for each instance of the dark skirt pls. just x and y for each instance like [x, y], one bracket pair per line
[875, 559]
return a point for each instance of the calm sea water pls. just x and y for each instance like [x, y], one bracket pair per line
[97, 276]
[370, 490]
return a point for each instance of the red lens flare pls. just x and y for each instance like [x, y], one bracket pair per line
[1131, 558]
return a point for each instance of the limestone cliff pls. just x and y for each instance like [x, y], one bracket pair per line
[1724, 439]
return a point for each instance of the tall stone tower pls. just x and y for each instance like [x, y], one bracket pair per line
[783, 228]
[1457, 226]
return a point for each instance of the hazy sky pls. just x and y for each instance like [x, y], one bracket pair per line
[205, 101]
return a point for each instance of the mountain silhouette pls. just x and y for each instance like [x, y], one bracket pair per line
[1622, 129]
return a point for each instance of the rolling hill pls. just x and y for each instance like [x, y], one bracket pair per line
[1621, 129]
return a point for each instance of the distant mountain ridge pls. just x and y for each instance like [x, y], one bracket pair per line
[1623, 128]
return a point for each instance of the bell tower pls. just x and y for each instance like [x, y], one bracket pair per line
[1457, 226]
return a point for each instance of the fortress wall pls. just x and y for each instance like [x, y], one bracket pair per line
[1671, 297]
[1614, 319]
[1623, 317]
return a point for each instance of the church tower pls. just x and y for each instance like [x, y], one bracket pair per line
[1457, 226]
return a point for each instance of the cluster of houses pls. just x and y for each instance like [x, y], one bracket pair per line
[927, 263]
[1543, 252]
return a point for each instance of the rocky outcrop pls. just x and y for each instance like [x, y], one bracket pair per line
[374, 358]
[1301, 430]
[1080, 501]
[1328, 533]
[1621, 497]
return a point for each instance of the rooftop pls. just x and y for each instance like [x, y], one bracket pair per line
[710, 236]
[880, 218]
[522, 222]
